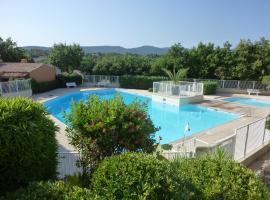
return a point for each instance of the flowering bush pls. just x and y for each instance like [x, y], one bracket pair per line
[100, 128]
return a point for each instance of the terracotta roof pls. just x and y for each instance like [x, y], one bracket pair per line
[13, 74]
[20, 67]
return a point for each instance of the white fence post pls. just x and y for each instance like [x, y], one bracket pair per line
[245, 149]
[1, 89]
[264, 131]
[17, 88]
[223, 83]
[253, 86]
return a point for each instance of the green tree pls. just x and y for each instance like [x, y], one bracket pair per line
[88, 63]
[200, 58]
[9, 52]
[224, 62]
[66, 57]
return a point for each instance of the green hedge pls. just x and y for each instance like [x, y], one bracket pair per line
[209, 87]
[50, 190]
[59, 82]
[222, 179]
[266, 80]
[27, 143]
[62, 79]
[139, 82]
[44, 86]
[138, 176]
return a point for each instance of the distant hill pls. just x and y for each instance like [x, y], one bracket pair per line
[143, 50]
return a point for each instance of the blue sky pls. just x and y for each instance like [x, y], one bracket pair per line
[132, 23]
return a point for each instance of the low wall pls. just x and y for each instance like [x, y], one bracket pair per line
[165, 99]
[193, 99]
[112, 85]
[24, 93]
[176, 100]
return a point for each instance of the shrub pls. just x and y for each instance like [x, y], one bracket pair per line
[43, 86]
[57, 190]
[27, 143]
[267, 124]
[220, 178]
[138, 176]
[150, 89]
[62, 79]
[100, 128]
[139, 82]
[209, 87]
[266, 80]
[166, 146]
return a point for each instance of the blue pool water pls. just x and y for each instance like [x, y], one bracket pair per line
[171, 119]
[248, 101]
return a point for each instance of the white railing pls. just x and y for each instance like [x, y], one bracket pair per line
[245, 141]
[237, 84]
[68, 164]
[242, 85]
[16, 88]
[181, 88]
[250, 138]
[68, 161]
[175, 155]
[97, 80]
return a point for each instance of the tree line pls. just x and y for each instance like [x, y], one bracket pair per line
[248, 60]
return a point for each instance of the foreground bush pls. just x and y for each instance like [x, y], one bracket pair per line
[209, 87]
[58, 190]
[100, 128]
[27, 143]
[139, 82]
[138, 176]
[222, 179]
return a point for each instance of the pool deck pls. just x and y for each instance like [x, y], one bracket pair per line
[209, 136]
[248, 114]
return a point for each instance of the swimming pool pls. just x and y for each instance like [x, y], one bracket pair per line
[172, 119]
[248, 101]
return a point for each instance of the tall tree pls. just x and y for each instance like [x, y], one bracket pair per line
[66, 57]
[10, 52]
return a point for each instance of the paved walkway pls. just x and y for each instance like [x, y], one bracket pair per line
[256, 165]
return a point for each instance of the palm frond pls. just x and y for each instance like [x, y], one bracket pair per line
[175, 77]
